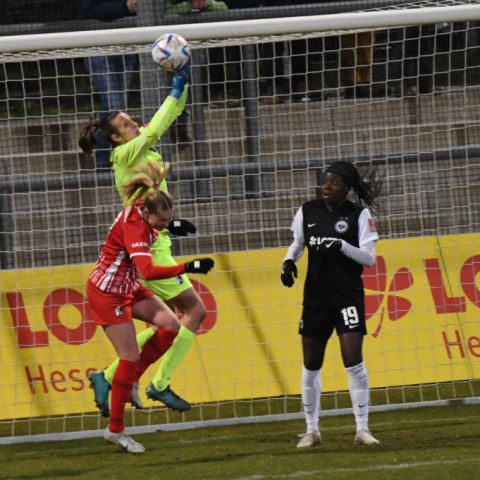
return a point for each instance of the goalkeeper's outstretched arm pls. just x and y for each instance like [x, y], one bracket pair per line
[173, 106]
[130, 142]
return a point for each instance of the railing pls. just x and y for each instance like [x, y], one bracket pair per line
[201, 175]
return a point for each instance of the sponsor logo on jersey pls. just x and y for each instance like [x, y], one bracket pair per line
[319, 240]
[140, 244]
[311, 225]
[179, 279]
[341, 226]
[371, 225]
[119, 311]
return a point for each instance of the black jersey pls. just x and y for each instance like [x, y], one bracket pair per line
[333, 279]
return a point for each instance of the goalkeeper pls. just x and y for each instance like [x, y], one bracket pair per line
[133, 147]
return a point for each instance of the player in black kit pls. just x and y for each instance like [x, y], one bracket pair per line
[340, 237]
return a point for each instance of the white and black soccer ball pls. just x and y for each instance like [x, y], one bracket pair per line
[170, 52]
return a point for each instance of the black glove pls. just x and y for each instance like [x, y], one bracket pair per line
[181, 227]
[329, 245]
[199, 265]
[288, 268]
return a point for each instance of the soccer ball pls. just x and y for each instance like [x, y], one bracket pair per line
[170, 52]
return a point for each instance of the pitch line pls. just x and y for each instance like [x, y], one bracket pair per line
[266, 434]
[326, 471]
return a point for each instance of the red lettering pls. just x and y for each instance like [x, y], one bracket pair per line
[468, 273]
[34, 379]
[443, 303]
[70, 375]
[54, 381]
[474, 346]
[458, 342]
[25, 336]
[87, 374]
[66, 296]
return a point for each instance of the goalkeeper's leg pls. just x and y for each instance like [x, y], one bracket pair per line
[194, 312]
[177, 293]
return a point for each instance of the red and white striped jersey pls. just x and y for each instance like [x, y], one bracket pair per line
[130, 235]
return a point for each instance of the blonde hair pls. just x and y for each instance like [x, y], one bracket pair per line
[149, 177]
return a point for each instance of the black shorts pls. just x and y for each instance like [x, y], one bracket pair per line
[319, 322]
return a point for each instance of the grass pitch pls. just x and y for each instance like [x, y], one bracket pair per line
[423, 443]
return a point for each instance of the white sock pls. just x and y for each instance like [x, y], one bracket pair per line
[359, 393]
[311, 391]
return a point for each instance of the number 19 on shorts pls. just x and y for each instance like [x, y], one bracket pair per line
[350, 317]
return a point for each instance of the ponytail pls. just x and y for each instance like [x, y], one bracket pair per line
[148, 180]
[87, 138]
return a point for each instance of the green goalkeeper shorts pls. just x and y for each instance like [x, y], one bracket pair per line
[167, 288]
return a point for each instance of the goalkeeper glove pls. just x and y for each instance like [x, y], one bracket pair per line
[288, 269]
[181, 228]
[199, 265]
[180, 80]
[185, 69]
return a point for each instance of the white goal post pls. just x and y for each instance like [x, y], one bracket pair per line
[242, 28]
[272, 103]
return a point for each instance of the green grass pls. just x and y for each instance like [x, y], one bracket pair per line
[239, 408]
[423, 443]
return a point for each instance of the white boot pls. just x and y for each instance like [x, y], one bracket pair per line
[123, 441]
[309, 439]
[365, 437]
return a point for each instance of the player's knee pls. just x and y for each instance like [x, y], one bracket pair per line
[168, 320]
[352, 361]
[312, 361]
[197, 312]
[201, 311]
[312, 365]
[172, 323]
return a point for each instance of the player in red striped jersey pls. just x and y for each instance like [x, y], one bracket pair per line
[133, 148]
[115, 294]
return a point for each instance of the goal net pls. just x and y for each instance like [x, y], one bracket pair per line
[269, 108]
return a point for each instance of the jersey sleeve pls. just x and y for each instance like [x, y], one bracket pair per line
[297, 226]
[137, 237]
[128, 154]
[366, 228]
[298, 246]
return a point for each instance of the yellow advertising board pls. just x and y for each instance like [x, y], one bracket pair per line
[422, 302]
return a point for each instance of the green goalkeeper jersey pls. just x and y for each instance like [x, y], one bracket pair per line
[137, 152]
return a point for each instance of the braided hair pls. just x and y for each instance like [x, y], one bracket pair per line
[364, 192]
